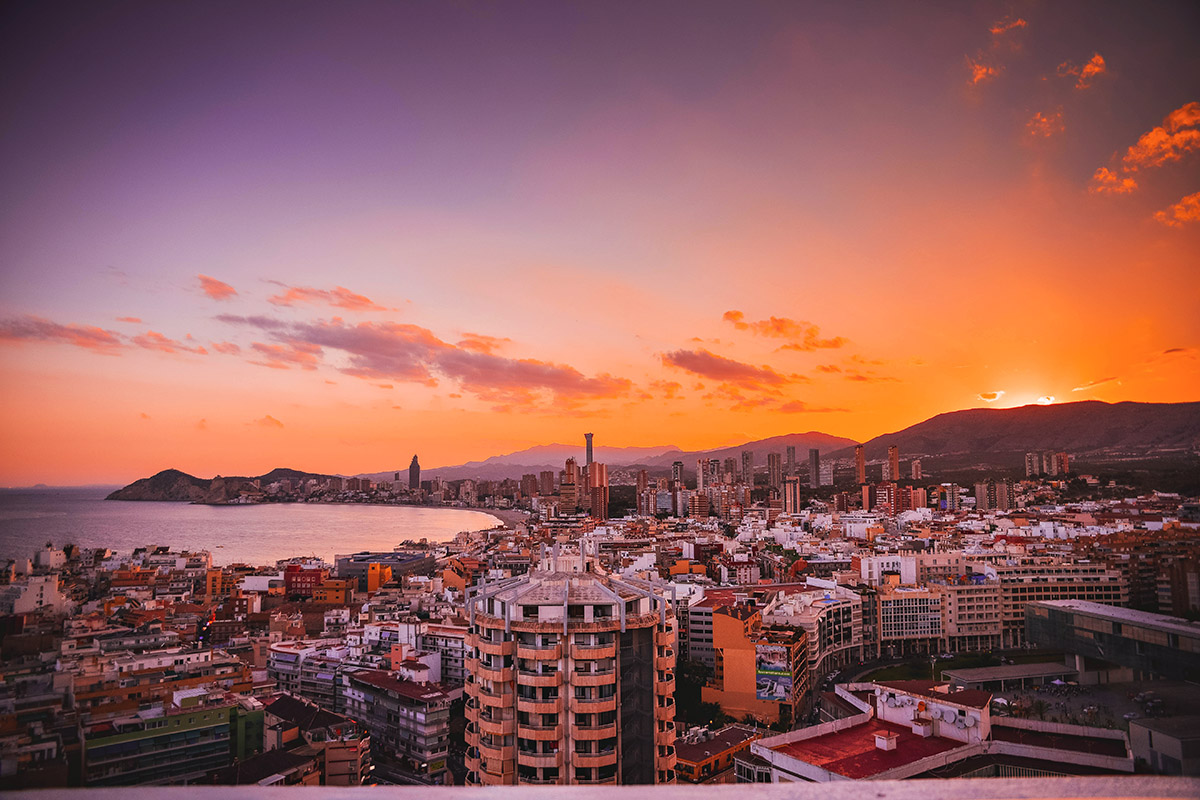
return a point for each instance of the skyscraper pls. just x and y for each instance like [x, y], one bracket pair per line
[677, 474]
[860, 465]
[789, 462]
[791, 495]
[414, 474]
[775, 470]
[588, 438]
[893, 463]
[916, 469]
[546, 481]
[748, 466]
[814, 467]
[598, 489]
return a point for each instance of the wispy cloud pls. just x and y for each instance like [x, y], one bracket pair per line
[228, 348]
[1043, 126]
[481, 343]
[979, 72]
[1105, 181]
[1086, 73]
[217, 290]
[132, 320]
[337, 297]
[1094, 384]
[268, 422]
[1045, 400]
[800, 335]
[153, 340]
[718, 368]
[991, 397]
[1007, 24]
[1175, 137]
[37, 329]
[1177, 214]
[285, 356]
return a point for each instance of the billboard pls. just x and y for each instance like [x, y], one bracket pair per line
[772, 672]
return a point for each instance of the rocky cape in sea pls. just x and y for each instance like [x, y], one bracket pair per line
[174, 485]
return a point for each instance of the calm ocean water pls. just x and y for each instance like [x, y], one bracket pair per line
[253, 534]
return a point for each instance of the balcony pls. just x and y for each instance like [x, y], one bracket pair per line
[666, 751]
[594, 651]
[501, 754]
[593, 705]
[664, 638]
[539, 706]
[531, 678]
[504, 648]
[540, 733]
[526, 759]
[593, 732]
[495, 674]
[549, 652]
[595, 760]
[497, 727]
[606, 678]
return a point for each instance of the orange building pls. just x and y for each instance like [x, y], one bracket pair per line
[335, 591]
[758, 671]
[462, 572]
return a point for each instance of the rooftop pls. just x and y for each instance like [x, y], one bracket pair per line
[1179, 727]
[382, 679]
[933, 690]
[1010, 672]
[728, 738]
[852, 753]
[1132, 616]
[1060, 741]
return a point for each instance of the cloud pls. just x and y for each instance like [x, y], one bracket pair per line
[669, 389]
[1045, 400]
[1046, 125]
[389, 351]
[153, 340]
[1105, 181]
[829, 368]
[1175, 350]
[991, 397]
[481, 343]
[134, 320]
[726, 370]
[37, 329]
[286, 356]
[338, 297]
[800, 407]
[1177, 136]
[1085, 74]
[1007, 24]
[217, 290]
[1186, 210]
[268, 422]
[1093, 384]
[228, 348]
[980, 72]
[802, 336]
[867, 377]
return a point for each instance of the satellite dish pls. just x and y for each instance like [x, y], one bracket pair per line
[960, 724]
[970, 722]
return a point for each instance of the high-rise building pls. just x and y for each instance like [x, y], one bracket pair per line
[827, 474]
[860, 465]
[571, 680]
[643, 480]
[991, 495]
[891, 468]
[1033, 465]
[414, 475]
[677, 474]
[598, 489]
[791, 495]
[814, 467]
[748, 467]
[529, 484]
[775, 470]
[546, 481]
[789, 463]
[729, 470]
[568, 487]
[915, 466]
[588, 438]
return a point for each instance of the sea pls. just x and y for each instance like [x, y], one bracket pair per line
[252, 534]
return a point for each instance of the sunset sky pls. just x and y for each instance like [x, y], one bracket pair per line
[235, 236]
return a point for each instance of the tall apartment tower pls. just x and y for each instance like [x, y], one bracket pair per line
[568, 487]
[546, 483]
[860, 465]
[775, 470]
[571, 680]
[916, 469]
[677, 474]
[588, 438]
[814, 467]
[748, 467]
[893, 463]
[789, 461]
[791, 495]
[414, 474]
[598, 489]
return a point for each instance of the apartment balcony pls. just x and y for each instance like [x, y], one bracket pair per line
[551, 652]
[593, 705]
[663, 737]
[532, 706]
[665, 709]
[554, 759]
[496, 779]
[590, 652]
[665, 684]
[667, 776]
[531, 678]
[594, 731]
[599, 782]
[594, 760]
[666, 661]
[504, 648]
[604, 678]
[666, 751]
[664, 638]
[540, 733]
[496, 753]
[497, 727]
[496, 674]
[491, 697]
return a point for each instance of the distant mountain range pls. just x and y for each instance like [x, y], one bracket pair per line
[1089, 428]
[985, 436]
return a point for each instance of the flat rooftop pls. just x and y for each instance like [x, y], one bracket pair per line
[1008, 672]
[852, 753]
[1145, 619]
[1059, 741]
[728, 738]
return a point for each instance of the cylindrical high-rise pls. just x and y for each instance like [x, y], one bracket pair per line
[571, 681]
[588, 438]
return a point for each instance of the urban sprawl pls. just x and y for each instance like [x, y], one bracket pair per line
[731, 622]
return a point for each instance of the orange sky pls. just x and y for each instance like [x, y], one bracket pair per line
[334, 264]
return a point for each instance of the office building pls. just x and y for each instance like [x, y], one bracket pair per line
[860, 465]
[814, 467]
[414, 475]
[748, 467]
[588, 438]
[774, 470]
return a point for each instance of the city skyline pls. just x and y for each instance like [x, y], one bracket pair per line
[237, 238]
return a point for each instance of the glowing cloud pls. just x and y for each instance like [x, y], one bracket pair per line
[1105, 181]
[802, 336]
[980, 72]
[286, 356]
[1186, 210]
[1094, 384]
[37, 329]
[1045, 400]
[1046, 125]
[481, 343]
[1007, 24]
[217, 290]
[153, 340]
[710, 365]
[228, 348]
[1085, 74]
[991, 397]
[133, 320]
[1177, 136]
[338, 297]
[268, 422]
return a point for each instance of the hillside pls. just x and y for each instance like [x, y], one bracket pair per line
[1090, 428]
[174, 485]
